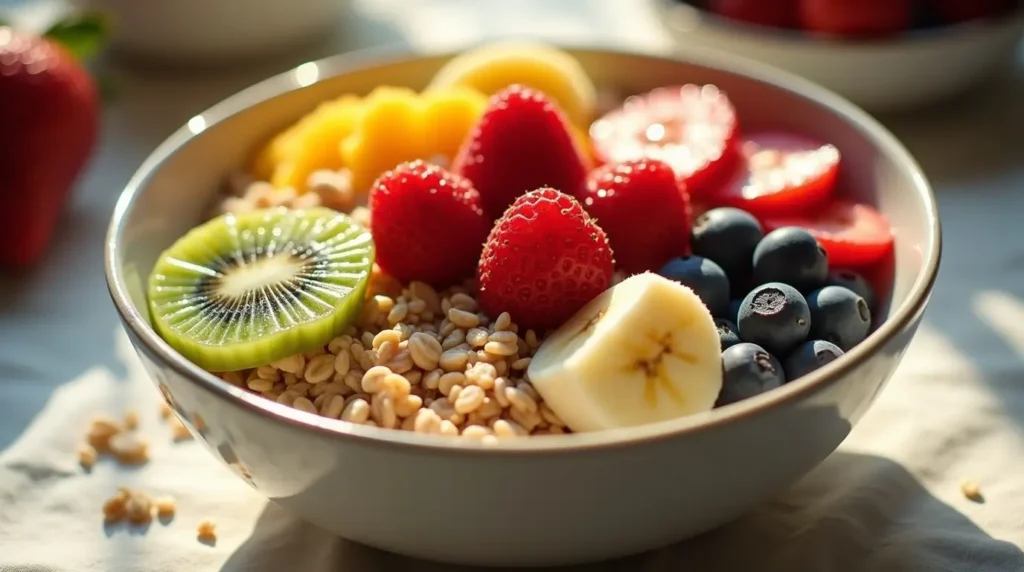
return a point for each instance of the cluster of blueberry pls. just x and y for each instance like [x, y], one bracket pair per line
[780, 312]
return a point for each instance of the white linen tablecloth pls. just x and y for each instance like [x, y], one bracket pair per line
[889, 500]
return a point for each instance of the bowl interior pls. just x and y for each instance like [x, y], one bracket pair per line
[174, 188]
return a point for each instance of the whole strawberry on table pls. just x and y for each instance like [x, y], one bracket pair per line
[49, 122]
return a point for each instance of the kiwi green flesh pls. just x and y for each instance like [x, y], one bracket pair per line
[244, 290]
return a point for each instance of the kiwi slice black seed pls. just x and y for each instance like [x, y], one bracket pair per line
[243, 290]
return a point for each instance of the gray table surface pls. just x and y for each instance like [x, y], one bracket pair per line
[888, 501]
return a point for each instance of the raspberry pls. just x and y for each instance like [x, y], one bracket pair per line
[522, 142]
[643, 208]
[543, 261]
[427, 224]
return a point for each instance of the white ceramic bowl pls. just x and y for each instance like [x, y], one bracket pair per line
[212, 31]
[889, 75]
[540, 500]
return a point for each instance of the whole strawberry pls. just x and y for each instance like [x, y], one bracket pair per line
[49, 115]
[644, 209]
[521, 142]
[427, 224]
[543, 261]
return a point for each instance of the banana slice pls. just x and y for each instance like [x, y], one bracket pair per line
[645, 350]
[491, 68]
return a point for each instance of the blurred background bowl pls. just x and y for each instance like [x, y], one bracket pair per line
[213, 31]
[890, 74]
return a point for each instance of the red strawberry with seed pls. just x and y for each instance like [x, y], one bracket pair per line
[427, 224]
[522, 142]
[693, 128]
[49, 116]
[643, 208]
[544, 260]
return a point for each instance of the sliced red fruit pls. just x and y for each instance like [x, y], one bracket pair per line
[779, 174]
[771, 13]
[853, 234]
[692, 128]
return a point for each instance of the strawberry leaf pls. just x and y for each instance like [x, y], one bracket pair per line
[84, 34]
[4, 22]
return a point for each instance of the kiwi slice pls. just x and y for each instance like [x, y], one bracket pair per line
[243, 290]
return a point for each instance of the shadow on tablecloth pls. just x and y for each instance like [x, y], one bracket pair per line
[855, 512]
[971, 151]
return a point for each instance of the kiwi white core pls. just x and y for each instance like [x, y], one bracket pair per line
[258, 275]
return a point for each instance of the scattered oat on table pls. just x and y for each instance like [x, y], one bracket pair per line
[165, 410]
[101, 429]
[207, 531]
[114, 508]
[165, 507]
[129, 448]
[134, 506]
[107, 436]
[971, 490]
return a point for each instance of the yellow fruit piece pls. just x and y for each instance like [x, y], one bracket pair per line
[449, 116]
[276, 151]
[310, 144]
[390, 131]
[491, 68]
[399, 125]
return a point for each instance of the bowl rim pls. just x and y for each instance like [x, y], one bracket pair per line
[332, 66]
[674, 11]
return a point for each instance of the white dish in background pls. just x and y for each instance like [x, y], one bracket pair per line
[211, 31]
[889, 75]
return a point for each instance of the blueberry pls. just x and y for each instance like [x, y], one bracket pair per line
[790, 255]
[839, 315]
[853, 281]
[748, 370]
[774, 316]
[704, 277]
[809, 356]
[727, 333]
[728, 236]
